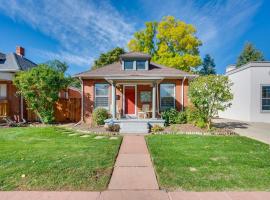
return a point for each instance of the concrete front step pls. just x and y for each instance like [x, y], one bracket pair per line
[136, 127]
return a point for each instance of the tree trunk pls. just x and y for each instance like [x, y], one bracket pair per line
[209, 124]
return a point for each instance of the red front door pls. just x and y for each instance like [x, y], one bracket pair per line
[129, 99]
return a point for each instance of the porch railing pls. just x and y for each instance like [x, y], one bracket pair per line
[3, 108]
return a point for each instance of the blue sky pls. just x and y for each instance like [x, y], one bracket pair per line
[78, 31]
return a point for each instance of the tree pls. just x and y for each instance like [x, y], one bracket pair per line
[208, 66]
[108, 57]
[40, 87]
[248, 54]
[210, 94]
[170, 42]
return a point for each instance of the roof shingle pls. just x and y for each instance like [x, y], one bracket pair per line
[115, 70]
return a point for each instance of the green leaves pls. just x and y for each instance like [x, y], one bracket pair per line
[249, 53]
[208, 66]
[210, 94]
[170, 42]
[108, 58]
[40, 87]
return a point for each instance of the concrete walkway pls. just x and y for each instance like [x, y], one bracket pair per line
[133, 168]
[255, 130]
[134, 178]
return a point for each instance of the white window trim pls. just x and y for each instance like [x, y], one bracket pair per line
[106, 107]
[261, 98]
[132, 65]
[145, 63]
[160, 94]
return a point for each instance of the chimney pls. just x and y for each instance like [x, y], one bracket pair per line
[230, 68]
[20, 51]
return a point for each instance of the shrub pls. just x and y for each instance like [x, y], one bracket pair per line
[195, 117]
[172, 116]
[210, 94]
[156, 128]
[99, 115]
[181, 118]
[112, 127]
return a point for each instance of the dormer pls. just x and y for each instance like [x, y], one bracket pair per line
[135, 61]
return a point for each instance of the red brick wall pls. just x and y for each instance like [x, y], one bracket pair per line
[88, 98]
[88, 95]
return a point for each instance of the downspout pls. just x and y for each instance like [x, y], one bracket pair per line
[183, 93]
[82, 103]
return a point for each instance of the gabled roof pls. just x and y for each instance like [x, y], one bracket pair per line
[12, 62]
[115, 70]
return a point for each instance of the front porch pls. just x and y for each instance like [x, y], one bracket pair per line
[135, 105]
[134, 99]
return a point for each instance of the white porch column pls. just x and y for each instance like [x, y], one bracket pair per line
[113, 101]
[154, 89]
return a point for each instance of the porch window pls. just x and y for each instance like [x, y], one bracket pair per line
[128, 65]
[140, 64]
[265, 98]
[102, 95]
[3, 91]
[167, 96]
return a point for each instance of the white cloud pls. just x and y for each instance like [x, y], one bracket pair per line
[65, 56]
[219, 22]
[82, 28]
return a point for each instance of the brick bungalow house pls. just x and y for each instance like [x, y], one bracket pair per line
[12, 105]
[134, 89]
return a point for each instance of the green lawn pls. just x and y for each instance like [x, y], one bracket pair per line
[49, 159]
[210, 163]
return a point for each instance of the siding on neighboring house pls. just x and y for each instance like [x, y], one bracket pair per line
[247, 81]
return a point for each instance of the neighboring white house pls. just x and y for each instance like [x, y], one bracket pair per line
[251, 90]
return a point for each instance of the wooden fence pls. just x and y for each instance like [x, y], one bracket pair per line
[3, 108]
[65, 110]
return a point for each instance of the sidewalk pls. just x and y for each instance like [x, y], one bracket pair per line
[134, 178]
[133, 168]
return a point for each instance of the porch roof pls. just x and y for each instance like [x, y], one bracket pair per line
[114, 71]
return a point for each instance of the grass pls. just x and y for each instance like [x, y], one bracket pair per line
[49, 159]
[210, 163]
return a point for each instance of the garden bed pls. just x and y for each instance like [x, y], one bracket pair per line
[192, 129]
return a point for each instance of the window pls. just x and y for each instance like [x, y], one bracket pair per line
[140, 65]
[167, 96]
[266, 98]
[3, 91]
[128, 65]
[102, 95]
[145, 96]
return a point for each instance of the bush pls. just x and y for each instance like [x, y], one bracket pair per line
[156, 128]
[99, 115]
[181, 118]
[112, 127]
[195, 117]
[172, 116]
